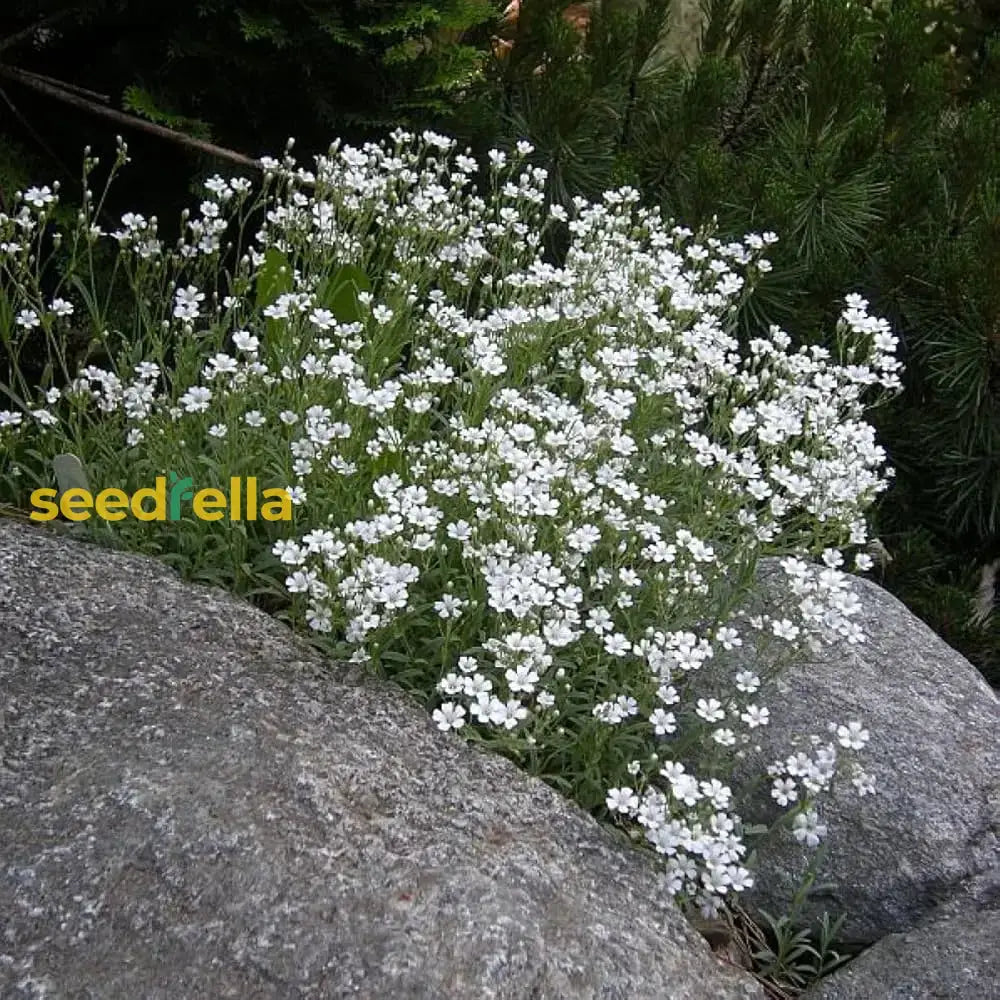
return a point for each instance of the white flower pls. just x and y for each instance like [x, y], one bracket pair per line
[299, 582]
[863, 783]
[196, 399]
[290, 553]
[186, 303]
[755, 716]
[452, 684]
[728, 638]
[477, 686]
[853, 736]
[667, 693]
[710, 709]
[807, 828]
[449, 606]
[747, 681]
[785, 629]
[783, 791]
[449, 716]
[522, 678]
[39, 197]
[507, 714]
[45, 418]
[622, 800]
[599, 621]
[663, 722]
[617, 645]
[246, 342]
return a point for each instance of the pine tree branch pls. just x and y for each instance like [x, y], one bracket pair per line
[625, 139]
[60, 93]
[731, 132]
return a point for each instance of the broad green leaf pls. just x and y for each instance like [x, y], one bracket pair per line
[70, 473]
[339, 293]
[274, 277]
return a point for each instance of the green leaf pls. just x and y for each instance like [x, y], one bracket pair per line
[274, 278]
[340, 293]
[388, 656]
[410, 18]
[70, 473]
[141, 102]
[261, 27]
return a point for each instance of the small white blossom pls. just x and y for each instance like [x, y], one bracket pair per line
[622, 800]
[449, 716]
[807, 828]
[853, 736]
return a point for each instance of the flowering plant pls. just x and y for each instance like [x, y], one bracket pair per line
[531, 486]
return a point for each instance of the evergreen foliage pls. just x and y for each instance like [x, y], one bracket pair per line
[249, 73]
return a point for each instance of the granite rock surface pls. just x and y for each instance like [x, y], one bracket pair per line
[195, 804]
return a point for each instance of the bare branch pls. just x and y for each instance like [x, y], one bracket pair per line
[60, 93]
[73, 88]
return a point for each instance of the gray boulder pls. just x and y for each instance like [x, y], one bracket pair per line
[195, 804]
[956, 957]
[931, 834]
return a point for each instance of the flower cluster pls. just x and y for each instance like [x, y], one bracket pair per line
[541, 483]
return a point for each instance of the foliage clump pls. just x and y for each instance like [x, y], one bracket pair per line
[535, 494]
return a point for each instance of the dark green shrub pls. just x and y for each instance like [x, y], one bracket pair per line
[252, 72]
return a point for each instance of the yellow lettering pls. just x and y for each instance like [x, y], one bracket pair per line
[75, 504]
[252, 498]
[279, 508]
[159, 495]
[206, 502]
[235, 496]
[44, 500]
[110, 505]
